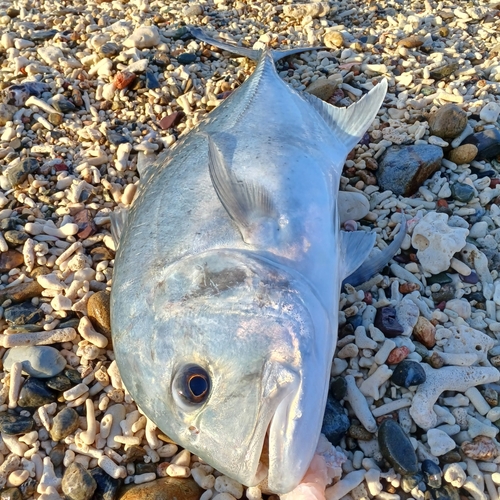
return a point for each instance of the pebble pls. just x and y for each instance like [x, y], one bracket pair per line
[487, 143]
[35, 393]
[408, 373]
[335, 421]
[59, 383]
[444, 72]
[432, 473]
[77, 483]
[21, 292]
[186, 58]
[163, 489]
[439, 442]
[106, 486]
[464, 154]
[322, 88]
[22, 314]
[15, 238]
[396, 447]
[98, 312]
[386, 321]
[462, 192]
[334, 39]
[19, 173]
[425, 332]
[15, 425]
[10, 259]
[448, 121]
[490, 112]
[37, 361]
[403, 169]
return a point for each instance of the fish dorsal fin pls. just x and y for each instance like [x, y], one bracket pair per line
[356, 246]
[118, 220]
[248, 204]
[350, 124]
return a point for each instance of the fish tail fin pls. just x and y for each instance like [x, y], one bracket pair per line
[253, 54]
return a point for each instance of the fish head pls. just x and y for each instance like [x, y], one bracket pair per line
[232, 368]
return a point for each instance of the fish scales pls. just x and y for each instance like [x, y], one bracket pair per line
[225, 293]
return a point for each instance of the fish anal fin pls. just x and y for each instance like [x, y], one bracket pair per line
[356, 246]
[248, 204]
[118, 220]
[350, 124]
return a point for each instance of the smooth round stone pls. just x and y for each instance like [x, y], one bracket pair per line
[335, 421]
[186, 58]
[15, 238]
[396, 447]
[14, 425]
[447, 492]
[11, 494]
[487, 143]
[360, 433]
[151, 80]
[448, 122]
[107, 487]
[98, 312]
[408, 373]
[21, 292]
[77, 483]
[338, 388]
[386, 321]
[464, 154]
[116, 139]
[109, 49]
[432, 473]
[410, 482]
[142, 468]
[37, 361]
[57, 454]
[55, 118]
[166, 488]
[443, 72]
[34, 393]
[59, 383]
[64, 105]
[73, 375]
[462, 192]
[65, 423]
[21, 314]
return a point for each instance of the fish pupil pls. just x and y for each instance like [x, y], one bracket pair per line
[198, 385]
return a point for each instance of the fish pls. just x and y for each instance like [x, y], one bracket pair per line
[224, 303]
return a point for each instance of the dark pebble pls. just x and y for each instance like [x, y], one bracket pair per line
[142, 468]
[65, 423]
[24, 328]
[360, 433]
[64, 105]
[42, 35]
[403, 169]
[21, 314]
[57, 454]
[450, 457]
[447, 492]
[446, 293]
[485, 173]
[387, 322]
[77, 483]
[410, 482]
[35, 393]
[432, 473]
[444, 71]
[10, 260]
[441, 278]
[335, 421]
[28, 488]
[151, 80]
[477, 296]
[16, 238]
[355, 321]
[101, 253]
[186, 58]
[11, 494]
[472, 279]
[19, 173]
[161, 59]
[10, 223]
[396, 447]
[338, 388]
[408, 373]
[116, 139]
[134, 453]
[491, 396]
[15, 425]
[107, 487]
[59, 383]
[21, 292]
[73, 375]
[109, 49]
[487, 143]
[462, 192]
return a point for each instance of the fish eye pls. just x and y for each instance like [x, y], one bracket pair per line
[191, 385]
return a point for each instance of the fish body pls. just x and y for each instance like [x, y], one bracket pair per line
[225, 293]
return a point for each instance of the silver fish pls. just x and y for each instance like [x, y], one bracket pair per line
[226, 283]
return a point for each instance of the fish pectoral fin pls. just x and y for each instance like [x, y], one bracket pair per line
[248, 204]
[350, 124]
[118, 220]
[356, 246]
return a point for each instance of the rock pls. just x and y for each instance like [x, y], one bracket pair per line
[446, 293]
[338, 388]
[447, 492]
[334, 39]
[59, 383]
[17, 174]
[15, 238]
[63, 105]
[301, 10]
[403, 169]
[42, 35]
[143, 37]
[432, 473]
[396, 447]
[65, 423]
[77, 483]
[454, 474]
[352, 206]
[15, 425]
[115, 138]
[359, 432]
[10, 260]
[85, 222]
[443, 72]
[448, 122]
[436, 242]
[464, 154]
[73, 375]
[397, 355]
[123, 79]
[487, 143]
[186, 58]
[57, 454]
[21, 292]
[490, 112]
[411, 42]
[11, 494]
[322, 88]
[107, 487]
[37, 361]
[408, 373]
[22, 314]
[439, 442]
[425, 332]
[166, 488]
[408, 483]
[134, 453]
[151, 80]
[35, 393]
[386, 321]
[98, 312]
[335, 421]
[462, 192]
[109, 49]
[171, 120]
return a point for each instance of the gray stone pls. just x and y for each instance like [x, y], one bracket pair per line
[37, 361]
[77, 483]
[65, 423]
